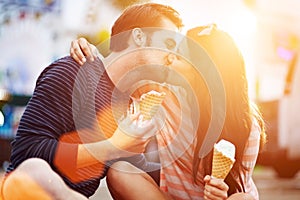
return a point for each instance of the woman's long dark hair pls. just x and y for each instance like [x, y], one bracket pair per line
[239, 111]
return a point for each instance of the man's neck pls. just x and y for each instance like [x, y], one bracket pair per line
[118, 64]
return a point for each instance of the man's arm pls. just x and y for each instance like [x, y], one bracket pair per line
[49, 117]
[128, 140]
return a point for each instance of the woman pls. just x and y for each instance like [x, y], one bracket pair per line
[185, 170]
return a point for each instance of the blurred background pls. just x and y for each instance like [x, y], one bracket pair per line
[33, 33]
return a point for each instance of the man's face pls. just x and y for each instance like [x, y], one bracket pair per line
[149, 61]
[166, 37]
[167, 40]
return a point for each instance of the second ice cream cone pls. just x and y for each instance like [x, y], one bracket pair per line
[221, 165]
[223, 159]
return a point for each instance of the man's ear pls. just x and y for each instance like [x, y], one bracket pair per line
[139, 37]
[169, 59]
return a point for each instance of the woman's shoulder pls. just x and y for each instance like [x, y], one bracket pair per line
[255, 128]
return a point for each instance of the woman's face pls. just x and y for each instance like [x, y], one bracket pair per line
[181, 72]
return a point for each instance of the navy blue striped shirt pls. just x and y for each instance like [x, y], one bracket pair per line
[66, 99]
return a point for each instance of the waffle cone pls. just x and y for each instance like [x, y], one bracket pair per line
[221, 165]
[150, 103]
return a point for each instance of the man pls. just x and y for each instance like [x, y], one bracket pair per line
[68, 122]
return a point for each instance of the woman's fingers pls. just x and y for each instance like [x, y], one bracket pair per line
[76, 53]
[215, 189]
[86, 48]
[212, 192]
[80, 49]
[94, 51]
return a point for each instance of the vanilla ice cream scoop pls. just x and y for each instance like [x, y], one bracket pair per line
[148, 104]
[223, 159]
[226, 148]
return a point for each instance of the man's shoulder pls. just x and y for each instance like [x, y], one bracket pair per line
[60, 65]
[64, 63]
[67, 67]
[67, 63]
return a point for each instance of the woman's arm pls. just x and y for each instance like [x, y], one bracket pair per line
[241, 196]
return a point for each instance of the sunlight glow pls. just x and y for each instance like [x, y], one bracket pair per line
[243, 28]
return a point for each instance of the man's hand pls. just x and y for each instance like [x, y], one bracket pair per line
[80, 49]
[215, 189]
[133, 134]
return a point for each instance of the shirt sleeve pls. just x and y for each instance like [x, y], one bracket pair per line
[250, 157]
[48, 116]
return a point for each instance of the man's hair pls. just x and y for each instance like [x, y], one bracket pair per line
[140, 16]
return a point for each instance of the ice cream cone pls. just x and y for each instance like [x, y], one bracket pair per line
[149, 103]
[223, 159]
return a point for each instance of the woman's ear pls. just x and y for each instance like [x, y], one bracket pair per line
[139, 37]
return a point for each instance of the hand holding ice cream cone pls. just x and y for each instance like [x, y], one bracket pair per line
[146, 107]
